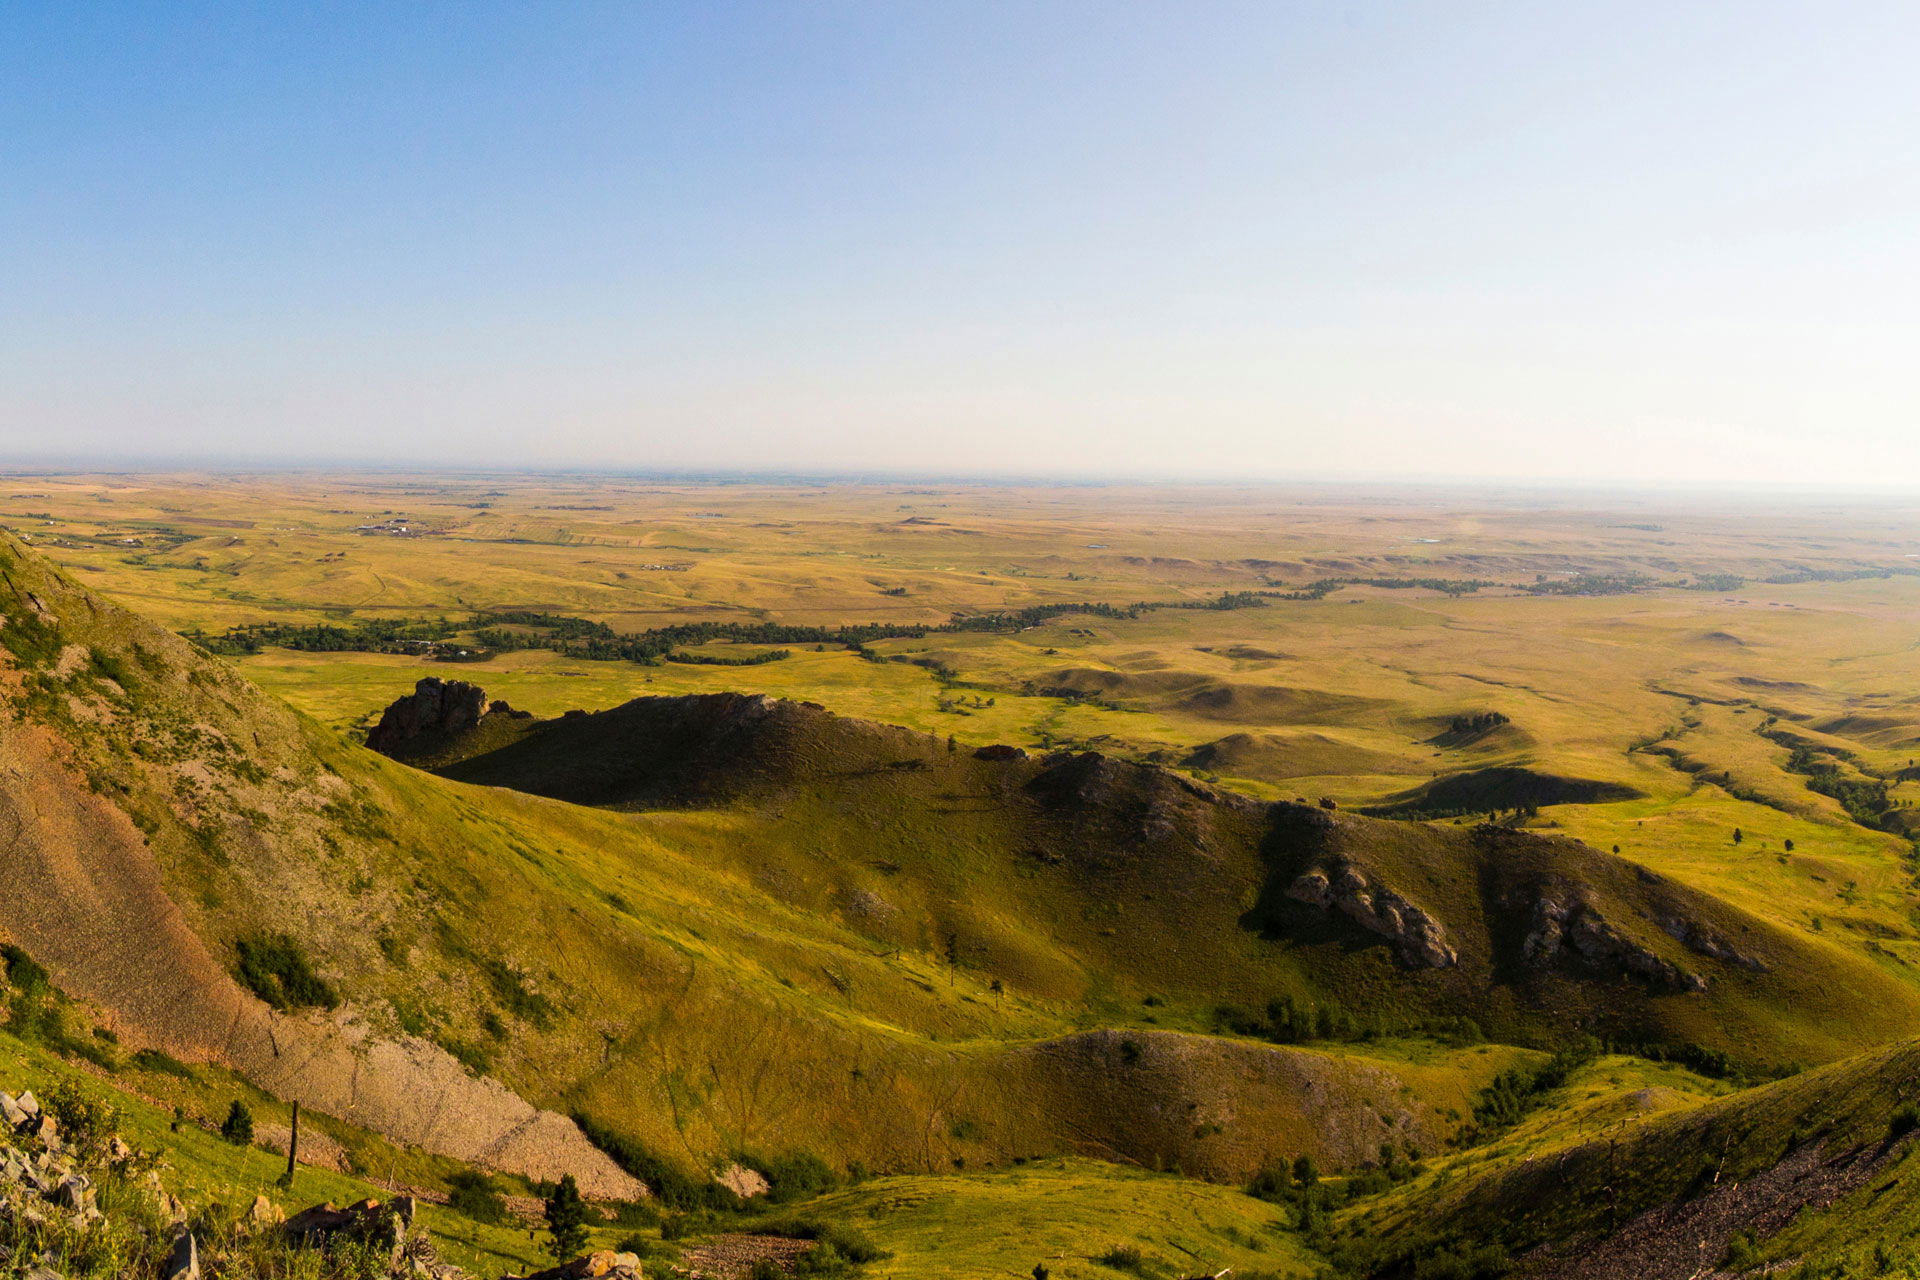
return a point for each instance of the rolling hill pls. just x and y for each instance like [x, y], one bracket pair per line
[706, 927]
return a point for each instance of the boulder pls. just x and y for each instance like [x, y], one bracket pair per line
[317, 1221]
[75, 1192]
[183, 1261]
[604, 1263]
[388, 1226]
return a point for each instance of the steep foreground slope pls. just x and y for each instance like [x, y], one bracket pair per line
[159, 812]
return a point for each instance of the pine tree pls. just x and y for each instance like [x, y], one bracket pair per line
[566, 1219]
[237, 1128]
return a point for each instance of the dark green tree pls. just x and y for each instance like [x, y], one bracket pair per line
[566, 1219]
[237, 1128]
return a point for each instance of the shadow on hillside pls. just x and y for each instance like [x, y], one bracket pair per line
[1289, 848]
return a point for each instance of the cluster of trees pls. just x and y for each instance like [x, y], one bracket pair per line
[1477, 722]
[1298, 1183]
[1717, 582]
[1837, 575]
[1864, 798]
[1590, 584]
[1320, 588]
[376, 635]
[1286, 1020]
[1518, 1090]
[726, 660]
[507, 630]
[1289, 1021]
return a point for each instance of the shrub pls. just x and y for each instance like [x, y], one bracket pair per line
[1903, 1121]
[86, 1122]
[1274, 1182]
[1516, 1092]
[835, 1247]
[801, 1175]
[635, 1213]
[1742, 1254]
[1124, 1257]
[275, 969]
[473, 1193]
[164, 1063]
[24, 974]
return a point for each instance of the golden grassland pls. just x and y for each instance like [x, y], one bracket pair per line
[1669, 692]
[1662, 690]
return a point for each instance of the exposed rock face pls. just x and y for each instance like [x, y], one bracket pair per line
[1000, 751]
[1421, 940]
[1708, 941]
[1563, 920]
[436, 707]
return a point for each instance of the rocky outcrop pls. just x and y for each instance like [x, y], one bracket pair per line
[1708, 941]
[1564, 922]
[436, 709]
[1420, 939]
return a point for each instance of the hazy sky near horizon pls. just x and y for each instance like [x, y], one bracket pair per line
[1195, 238]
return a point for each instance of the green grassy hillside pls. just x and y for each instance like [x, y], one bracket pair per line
[844, 938]
[1016, 994]
[1083, 878]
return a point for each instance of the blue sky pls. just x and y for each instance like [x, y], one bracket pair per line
[1573, 241]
